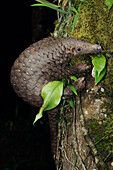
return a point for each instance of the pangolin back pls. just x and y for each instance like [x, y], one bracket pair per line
[45, 61]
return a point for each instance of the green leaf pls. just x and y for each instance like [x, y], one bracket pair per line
[73, 9]
[52, 7]
[73, 78]
[39, 115]
[72, 88]
[84, 1]
[46, 2]
[71, 102]
[51, 94]
[99, 66]
[109, 3]
[64, 81]
[99, 63]
[76, 16]
[75, 21]
[79, 7]
[101, 75]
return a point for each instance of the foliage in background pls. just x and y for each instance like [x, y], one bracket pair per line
[49, 5]
[71, 9]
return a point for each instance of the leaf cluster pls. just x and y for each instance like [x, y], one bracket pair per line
[57, 8]
[71, 9]
[52, 93]
[49, 5]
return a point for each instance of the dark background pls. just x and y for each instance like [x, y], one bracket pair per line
[22, 146]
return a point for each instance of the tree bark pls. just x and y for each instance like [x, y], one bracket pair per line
[76, 148]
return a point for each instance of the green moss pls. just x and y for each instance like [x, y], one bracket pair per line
[102, 135]
[79, 60]
[95, 24]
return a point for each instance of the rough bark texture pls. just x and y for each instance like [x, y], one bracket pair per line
[96, 101]
[75, 147]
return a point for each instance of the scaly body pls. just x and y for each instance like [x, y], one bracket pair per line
[45, 61]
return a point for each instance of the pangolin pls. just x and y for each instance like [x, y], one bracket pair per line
[44, 61]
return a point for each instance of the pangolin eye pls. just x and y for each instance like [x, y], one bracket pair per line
[79, 49]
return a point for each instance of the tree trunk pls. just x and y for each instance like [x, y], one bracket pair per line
[85, 137]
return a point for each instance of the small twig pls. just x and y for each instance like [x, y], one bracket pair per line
[107, 156]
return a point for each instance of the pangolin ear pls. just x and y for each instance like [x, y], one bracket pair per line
[73, 50]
